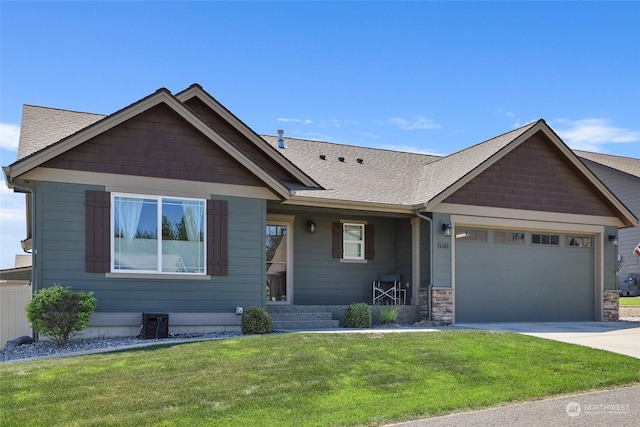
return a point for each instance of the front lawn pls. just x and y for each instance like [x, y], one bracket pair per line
[629, 301]
[303, 379]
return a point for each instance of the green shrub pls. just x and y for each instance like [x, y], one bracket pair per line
[60, 313]
[388, 315]
[256, 320]
[357, 316]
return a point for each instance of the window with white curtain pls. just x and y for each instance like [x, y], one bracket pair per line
[155, 234]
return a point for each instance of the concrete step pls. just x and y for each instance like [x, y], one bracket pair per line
[293, 325]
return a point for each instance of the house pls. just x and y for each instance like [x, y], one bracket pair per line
[622, 176]
[174, 205]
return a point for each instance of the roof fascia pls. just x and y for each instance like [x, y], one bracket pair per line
[159, 97]
[198, 92]
[627, 217]
[349, 205]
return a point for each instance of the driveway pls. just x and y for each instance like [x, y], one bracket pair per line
[618, 337]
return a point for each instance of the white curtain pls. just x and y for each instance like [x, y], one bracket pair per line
[127, 211]
[193, 216]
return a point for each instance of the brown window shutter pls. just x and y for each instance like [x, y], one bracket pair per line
[337, 240]
[97, 231]
[369, 242]
[217, 257]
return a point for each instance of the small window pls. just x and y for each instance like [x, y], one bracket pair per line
[580, 241]
[545, 239]
[509, 237]
[472, 234]
[353, 235]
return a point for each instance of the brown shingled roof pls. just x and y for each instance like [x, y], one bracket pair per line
[627, 165]
[42, 126]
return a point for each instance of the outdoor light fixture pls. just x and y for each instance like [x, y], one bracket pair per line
[446, 228]
[311, 226]
[613, 238]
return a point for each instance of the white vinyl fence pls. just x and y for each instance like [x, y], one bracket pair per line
[14, 296]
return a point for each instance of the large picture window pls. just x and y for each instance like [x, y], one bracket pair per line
[153, 234]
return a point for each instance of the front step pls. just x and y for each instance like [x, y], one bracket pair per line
[300, 318]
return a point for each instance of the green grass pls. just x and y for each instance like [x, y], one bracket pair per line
[629, 301]
[303, 380]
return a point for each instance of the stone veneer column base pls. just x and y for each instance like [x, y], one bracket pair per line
[610, 306]
[442, 305]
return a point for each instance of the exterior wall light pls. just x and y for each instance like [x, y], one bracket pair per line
[446, 229]
[613, 238]
[311, 226]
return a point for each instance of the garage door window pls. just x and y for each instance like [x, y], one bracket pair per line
[545, 239]
[580, 241]
[510, 237]
[472, 234]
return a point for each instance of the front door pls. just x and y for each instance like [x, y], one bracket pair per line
[279, 262]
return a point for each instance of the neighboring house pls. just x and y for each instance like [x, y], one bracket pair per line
[174, 205]
[622, 176]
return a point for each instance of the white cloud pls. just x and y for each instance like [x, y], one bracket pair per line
[592, 134]
[303, 121]
[409, 149]
[419, 123]
[9, 136]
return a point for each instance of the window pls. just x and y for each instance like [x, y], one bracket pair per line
[353, 241]
[471, 234]
[580, 241]
[509, 238]
[154, 234]
[545, 239]
[353, 235]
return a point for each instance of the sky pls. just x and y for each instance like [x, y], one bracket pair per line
[429, 77]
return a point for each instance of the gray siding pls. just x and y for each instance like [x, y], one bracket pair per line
[441, 254]
[403, 252]
[321, 279]
[627, 189]
[60, 244]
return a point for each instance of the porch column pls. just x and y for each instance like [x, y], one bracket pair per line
[415, 261]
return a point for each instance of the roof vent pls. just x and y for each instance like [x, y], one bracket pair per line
[359, 160]
[323, 157]
[341, 159]
[280, 138]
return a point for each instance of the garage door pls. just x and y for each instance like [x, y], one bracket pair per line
[517, 276]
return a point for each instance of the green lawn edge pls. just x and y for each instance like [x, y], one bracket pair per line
[304, 379]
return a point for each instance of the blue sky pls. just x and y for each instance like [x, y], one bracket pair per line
[431, 77]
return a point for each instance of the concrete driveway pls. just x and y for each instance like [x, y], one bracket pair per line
[617, 337]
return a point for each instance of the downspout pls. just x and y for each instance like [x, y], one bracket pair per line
[419, 215]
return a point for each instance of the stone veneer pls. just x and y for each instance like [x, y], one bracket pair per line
[441, 305]
[610, 306]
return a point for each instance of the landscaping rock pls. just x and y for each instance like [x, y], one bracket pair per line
[19, 341]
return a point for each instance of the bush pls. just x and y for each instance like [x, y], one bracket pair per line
[60, 313]
[388, 315]
[357, 316]
[256, 320]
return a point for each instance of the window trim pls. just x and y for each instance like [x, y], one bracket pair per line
[158, 272]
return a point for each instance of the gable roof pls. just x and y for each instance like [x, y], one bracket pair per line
[393, 181]
[39, 148]
[327, 174]
[627, 165]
